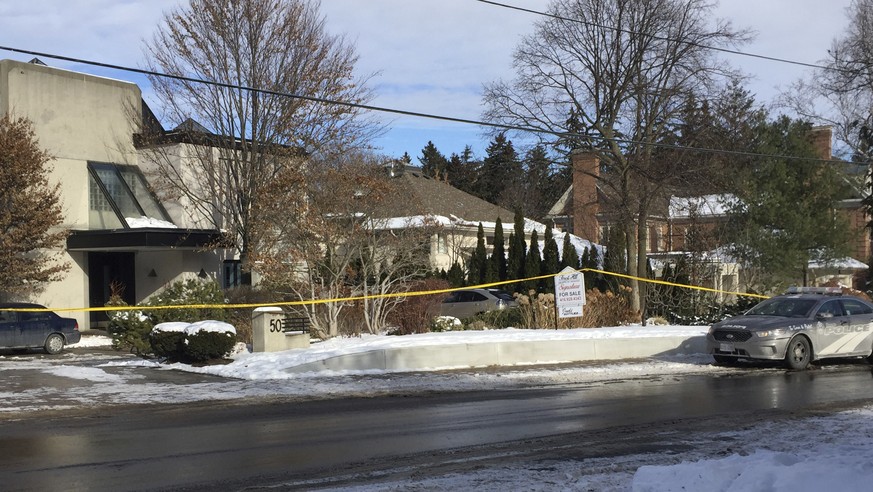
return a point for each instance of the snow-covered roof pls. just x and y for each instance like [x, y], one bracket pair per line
[839, 264]
[148, 222]
[438, 220]
[701, 206]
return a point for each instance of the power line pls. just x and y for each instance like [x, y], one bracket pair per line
[665, 38]
[321, 100]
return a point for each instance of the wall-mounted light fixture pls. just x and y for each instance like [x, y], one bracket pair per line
[152, 273]
[202, 273]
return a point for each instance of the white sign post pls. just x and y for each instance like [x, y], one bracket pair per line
[569, 294]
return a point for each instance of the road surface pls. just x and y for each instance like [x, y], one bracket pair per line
[306, 444]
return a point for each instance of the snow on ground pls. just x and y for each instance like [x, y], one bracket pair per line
[813, 454]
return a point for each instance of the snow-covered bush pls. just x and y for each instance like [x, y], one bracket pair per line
[446, 323]
[129, 329]
[193, 342]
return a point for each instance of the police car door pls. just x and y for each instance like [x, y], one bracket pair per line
[831, 325]
[861, 322]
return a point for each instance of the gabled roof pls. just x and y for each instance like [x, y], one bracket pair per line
[428, 196]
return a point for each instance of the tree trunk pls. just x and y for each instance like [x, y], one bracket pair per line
[632, 265]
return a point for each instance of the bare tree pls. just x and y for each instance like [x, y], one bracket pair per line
[339, 244]
[393, 252]
[238, 140]
[614, 74]
[30, 213]
[841, 94]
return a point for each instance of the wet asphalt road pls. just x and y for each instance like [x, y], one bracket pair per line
[246, 444]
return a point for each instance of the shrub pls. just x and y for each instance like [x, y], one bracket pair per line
[414, 314]
[445, 323]
[502, 318]
[168, 344]
[129, 332]
[129, 329]
[186, 293]
[206, 345]
[608, 308]
[536, 310]
[187, 342]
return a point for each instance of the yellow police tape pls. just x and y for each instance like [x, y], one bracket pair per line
[379, 296]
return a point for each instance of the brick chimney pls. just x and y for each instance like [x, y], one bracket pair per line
[820, 137]
[586, 169]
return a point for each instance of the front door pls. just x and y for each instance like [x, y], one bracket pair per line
[110, 273]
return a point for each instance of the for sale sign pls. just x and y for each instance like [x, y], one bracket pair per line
[569, 293]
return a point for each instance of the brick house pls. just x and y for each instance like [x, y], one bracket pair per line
[686, 224]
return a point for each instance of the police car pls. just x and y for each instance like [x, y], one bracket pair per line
[805, 324]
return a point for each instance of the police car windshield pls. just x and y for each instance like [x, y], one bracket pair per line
[788, 307]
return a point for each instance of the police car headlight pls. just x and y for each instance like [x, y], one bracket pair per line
[777, 333]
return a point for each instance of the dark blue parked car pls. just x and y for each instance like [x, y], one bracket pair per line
[35, 329]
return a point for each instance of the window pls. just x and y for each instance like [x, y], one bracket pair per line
[442, 244]
[856, 307]
[831, 309]
[232, 270]
[116, 193]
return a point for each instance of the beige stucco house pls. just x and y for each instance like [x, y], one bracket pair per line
[120, 234]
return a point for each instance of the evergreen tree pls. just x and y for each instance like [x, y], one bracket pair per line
[533, 261]
[592, 260]
[501, 178]
[455, 275]
[476, 270]
[550, 252]
[541, 190]
[517, 250]
[463, 170]
[433, 163]
[569, 254]
[550, 258]
[784, 216]
[498, 252]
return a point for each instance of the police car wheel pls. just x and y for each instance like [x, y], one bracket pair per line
[799, 353]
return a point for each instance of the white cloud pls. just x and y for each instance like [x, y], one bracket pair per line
[433, 57]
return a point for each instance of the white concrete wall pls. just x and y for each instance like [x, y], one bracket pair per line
[507, 354]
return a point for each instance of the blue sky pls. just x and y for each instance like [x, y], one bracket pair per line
[430, 56]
